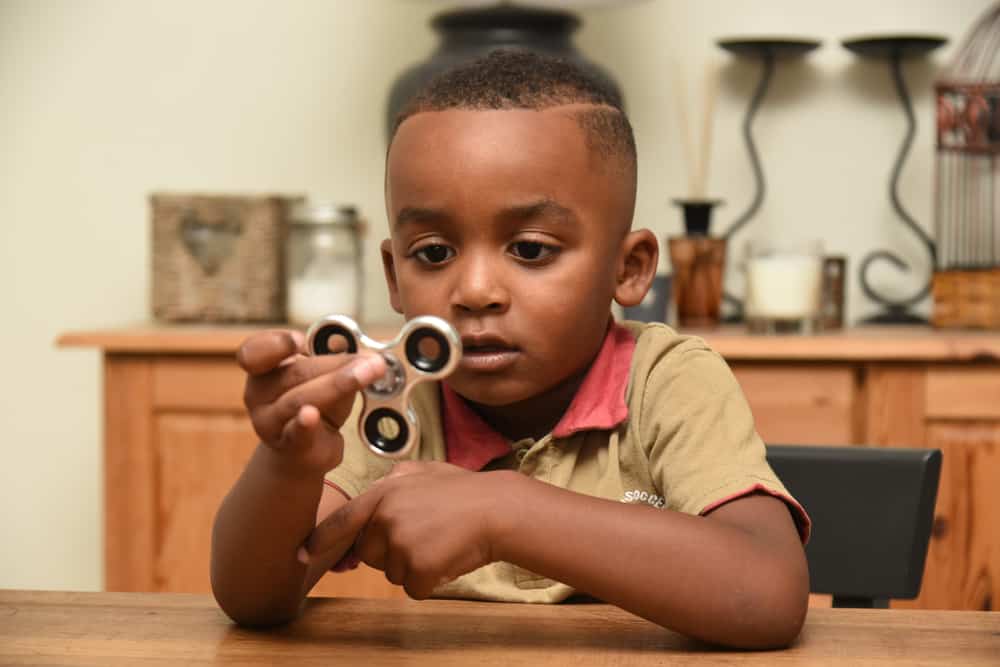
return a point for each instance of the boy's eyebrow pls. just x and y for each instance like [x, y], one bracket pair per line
[537, 209]
[410, 214]
[548, 208]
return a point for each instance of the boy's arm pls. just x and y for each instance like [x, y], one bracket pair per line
[256, 577]
[737, 576]
[296, 404]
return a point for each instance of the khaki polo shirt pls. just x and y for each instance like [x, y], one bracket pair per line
[688, 444]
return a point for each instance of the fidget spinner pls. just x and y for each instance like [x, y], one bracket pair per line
[426, 348]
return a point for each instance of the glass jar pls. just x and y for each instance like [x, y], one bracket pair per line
[784, 280]
[323, 267]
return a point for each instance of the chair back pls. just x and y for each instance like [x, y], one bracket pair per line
[872, 510]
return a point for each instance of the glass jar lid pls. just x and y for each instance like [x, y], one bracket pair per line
[324, 213]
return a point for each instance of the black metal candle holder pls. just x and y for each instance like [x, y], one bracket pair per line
[894, 49]
[768, 51]
[697, 215]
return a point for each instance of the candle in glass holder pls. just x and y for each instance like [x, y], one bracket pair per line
[783, 286]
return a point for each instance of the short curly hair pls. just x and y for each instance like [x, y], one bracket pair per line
[515, 79]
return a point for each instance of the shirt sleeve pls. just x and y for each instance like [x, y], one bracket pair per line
[703, 448]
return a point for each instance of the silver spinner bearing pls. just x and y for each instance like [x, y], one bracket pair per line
[426, 348]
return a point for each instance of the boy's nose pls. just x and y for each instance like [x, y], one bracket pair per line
[478, 288]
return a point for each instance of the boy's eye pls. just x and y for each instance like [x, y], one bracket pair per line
[434, 254]
[531, 250]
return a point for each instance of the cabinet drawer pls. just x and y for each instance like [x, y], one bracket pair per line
[808, 404]
[197, 383]
[963, 393]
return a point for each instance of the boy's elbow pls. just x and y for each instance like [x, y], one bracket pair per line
[766, 612]
[784, 625]
[779, 612]
[249, 614]
[248, 608]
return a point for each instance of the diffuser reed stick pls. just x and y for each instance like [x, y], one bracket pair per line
[696, 159]
[711, 88]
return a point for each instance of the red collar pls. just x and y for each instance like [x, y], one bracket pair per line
[599, 404]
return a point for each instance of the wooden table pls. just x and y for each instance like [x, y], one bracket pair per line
[58, 628]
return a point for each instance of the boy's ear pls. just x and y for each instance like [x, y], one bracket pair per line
[389, 267]
[637, 262]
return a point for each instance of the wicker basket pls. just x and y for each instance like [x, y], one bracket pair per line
[218, 258]
[967, 299]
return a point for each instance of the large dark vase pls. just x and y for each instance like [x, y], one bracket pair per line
[466, 34]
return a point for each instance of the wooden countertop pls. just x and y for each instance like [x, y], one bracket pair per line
[733, 343]
[137, 628]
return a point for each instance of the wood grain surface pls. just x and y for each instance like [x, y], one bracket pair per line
[61, 628]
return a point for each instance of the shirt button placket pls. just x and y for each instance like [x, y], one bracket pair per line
[521, 449]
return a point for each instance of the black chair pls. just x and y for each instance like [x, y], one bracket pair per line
[872, 510]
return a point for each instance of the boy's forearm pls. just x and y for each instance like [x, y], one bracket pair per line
[267, 515]
[704, 578]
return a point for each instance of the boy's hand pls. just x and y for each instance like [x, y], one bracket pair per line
[298, 403]
[424, 524]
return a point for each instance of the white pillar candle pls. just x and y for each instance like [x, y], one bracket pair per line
[783, 286]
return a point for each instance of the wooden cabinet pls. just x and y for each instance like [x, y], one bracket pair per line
[176, 437]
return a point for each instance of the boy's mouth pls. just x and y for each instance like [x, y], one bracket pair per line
[487, 353]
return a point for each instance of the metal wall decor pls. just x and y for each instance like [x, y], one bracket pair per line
[768, 51]
[895, 49]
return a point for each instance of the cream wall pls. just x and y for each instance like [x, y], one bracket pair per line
[103, 101]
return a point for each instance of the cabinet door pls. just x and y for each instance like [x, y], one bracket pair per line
[177, 438]
[199, 458]
[963, 561]
[955, 409]
[963, 421]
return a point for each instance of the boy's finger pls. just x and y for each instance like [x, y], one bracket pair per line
[422, 587]
[269, 387]
[289, 374]
[403, 468]
[264, 351]
[347, 521]
[305, 433]
[406, 468]
[327, 392]
[394, 566]
[299, 432]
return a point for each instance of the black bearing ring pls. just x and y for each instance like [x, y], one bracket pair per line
[379, 441]
[321, 341]
[421, 361]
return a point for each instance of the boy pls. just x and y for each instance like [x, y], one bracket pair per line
[567, 453]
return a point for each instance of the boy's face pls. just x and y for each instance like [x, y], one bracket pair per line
[508, 226]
